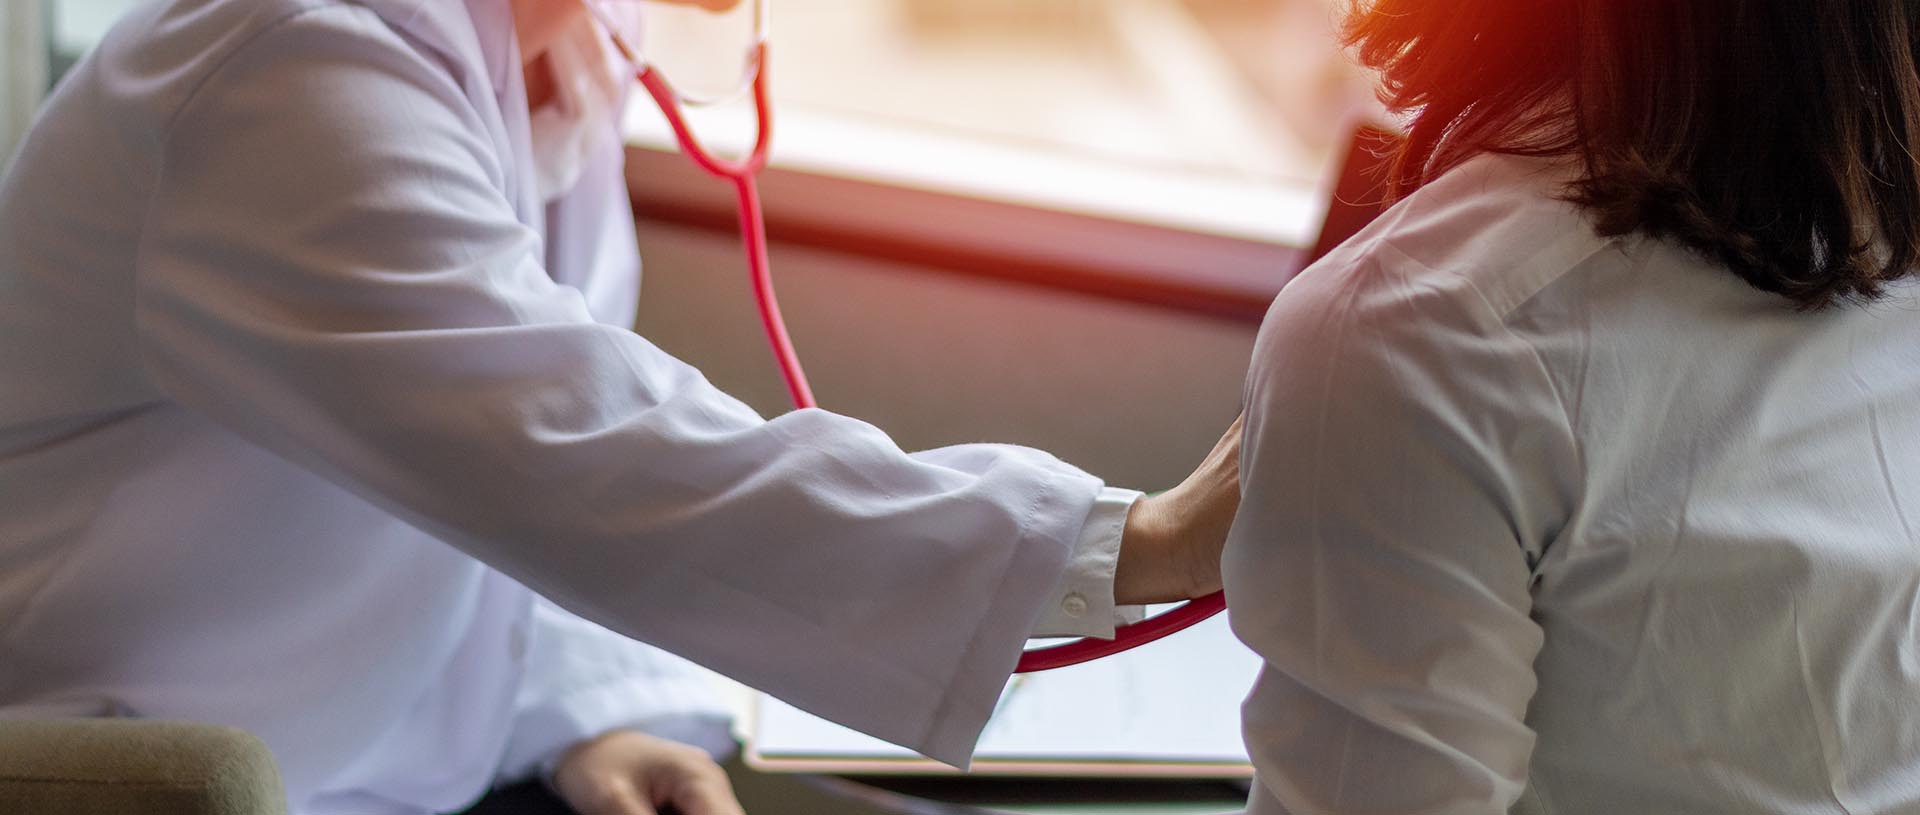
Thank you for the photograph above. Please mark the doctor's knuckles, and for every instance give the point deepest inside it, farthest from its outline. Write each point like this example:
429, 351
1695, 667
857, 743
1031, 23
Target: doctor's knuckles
625, 772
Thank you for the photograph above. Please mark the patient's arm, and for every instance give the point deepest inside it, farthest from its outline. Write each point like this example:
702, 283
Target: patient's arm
1407, 462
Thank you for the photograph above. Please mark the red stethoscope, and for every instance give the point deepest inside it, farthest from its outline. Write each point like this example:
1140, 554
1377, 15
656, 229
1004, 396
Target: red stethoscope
753, 234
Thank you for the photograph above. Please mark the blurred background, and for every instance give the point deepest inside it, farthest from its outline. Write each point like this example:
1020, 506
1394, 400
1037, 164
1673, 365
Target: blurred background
1256, 89
1250, 89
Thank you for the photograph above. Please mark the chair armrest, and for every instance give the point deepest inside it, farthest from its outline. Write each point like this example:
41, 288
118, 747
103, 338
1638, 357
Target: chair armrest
135, 767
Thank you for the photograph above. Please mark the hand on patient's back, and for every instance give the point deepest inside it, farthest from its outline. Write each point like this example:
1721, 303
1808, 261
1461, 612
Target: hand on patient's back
1171, 547
625, 772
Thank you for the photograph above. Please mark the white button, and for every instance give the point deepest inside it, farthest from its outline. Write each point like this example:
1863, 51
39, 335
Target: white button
517, 643
1074, 606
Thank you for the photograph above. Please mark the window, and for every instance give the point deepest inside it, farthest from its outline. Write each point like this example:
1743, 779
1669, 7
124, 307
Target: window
73, 26
1209, 124
1215, 116
23, 70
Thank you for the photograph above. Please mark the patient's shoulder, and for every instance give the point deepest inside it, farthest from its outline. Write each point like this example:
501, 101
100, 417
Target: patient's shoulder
1447, 298
1496, 228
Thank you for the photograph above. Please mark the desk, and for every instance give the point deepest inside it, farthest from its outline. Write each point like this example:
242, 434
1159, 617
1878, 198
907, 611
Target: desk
774, 794
1016, 796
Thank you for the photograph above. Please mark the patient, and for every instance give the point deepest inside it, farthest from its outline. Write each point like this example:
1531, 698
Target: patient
1586, 479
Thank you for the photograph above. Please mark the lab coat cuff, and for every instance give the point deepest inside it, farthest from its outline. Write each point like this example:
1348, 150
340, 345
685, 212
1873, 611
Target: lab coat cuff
1054, 518
542, 735
1082, 602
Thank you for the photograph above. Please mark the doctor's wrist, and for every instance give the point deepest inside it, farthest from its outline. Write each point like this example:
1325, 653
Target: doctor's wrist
1170, 547
1153, 565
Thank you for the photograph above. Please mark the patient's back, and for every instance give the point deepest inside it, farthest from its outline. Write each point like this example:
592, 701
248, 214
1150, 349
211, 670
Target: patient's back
1579, 523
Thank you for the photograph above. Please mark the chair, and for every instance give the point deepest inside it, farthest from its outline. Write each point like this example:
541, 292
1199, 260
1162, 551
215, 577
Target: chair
134, 767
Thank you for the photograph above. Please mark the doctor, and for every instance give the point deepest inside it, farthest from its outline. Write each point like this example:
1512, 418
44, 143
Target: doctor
314, 379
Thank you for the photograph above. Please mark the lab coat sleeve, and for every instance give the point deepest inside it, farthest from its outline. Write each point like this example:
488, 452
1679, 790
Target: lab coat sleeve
332, 271
1405, 462
583, 680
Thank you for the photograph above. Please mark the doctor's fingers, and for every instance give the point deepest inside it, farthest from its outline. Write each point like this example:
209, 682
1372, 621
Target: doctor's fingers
626, 772
622, 801
688, 794
696, 787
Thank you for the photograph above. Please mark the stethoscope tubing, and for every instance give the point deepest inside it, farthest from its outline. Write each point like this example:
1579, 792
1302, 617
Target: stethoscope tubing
753, 222
753, 234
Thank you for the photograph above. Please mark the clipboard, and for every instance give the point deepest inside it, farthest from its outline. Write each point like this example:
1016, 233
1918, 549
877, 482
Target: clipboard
1170, 709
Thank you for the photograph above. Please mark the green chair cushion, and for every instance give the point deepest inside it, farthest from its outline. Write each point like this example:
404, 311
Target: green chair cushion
134, 767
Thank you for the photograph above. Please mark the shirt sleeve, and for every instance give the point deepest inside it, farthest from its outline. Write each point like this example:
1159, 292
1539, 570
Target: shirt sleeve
331, 270
1406, 461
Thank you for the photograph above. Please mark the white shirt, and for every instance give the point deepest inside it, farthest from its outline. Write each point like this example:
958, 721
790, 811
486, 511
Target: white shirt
303, 386
1544, 521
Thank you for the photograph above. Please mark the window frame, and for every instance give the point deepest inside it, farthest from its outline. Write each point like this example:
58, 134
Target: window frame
834, 202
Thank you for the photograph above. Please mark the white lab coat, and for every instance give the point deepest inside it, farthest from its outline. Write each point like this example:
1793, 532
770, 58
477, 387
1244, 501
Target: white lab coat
302, 387
1545, 521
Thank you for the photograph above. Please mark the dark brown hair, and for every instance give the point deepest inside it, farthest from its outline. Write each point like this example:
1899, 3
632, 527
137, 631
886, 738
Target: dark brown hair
1775, 137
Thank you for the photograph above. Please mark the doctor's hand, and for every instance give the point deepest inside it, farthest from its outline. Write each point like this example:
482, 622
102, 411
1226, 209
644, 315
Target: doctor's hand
1172, 543
626, 772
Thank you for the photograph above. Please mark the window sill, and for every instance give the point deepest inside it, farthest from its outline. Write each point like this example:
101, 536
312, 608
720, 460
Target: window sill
1221, 247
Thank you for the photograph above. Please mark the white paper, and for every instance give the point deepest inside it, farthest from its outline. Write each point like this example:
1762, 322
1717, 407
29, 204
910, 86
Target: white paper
1175, 700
